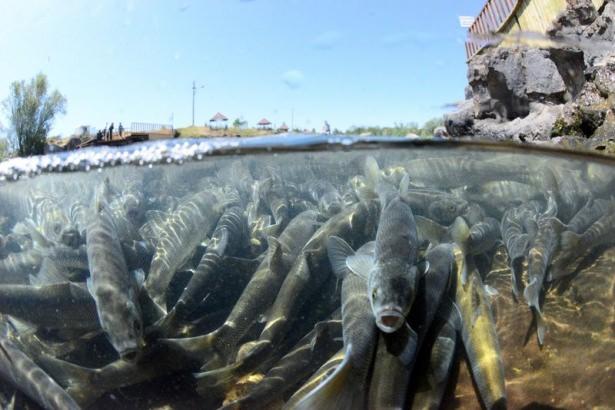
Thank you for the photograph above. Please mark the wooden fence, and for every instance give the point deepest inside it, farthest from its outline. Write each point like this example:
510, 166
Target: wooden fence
490, 19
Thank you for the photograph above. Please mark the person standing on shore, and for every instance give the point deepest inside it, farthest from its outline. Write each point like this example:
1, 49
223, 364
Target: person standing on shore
120, 129
111, 132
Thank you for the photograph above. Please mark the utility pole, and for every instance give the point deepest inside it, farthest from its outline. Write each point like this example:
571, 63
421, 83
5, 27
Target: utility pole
292, 119
194, 88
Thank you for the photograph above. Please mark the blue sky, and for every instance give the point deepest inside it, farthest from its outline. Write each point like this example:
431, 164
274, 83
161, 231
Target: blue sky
349, 62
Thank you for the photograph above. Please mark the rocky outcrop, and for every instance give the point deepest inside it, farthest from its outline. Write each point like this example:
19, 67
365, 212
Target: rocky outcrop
564, 93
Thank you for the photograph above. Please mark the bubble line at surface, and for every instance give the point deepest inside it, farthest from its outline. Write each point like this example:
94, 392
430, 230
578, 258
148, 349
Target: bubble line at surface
178, 151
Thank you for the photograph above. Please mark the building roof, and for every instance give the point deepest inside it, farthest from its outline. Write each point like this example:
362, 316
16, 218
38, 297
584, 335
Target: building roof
218, 117
264, 121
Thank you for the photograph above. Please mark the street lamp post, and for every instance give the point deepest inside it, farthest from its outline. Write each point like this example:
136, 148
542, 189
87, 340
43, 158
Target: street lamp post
194, 88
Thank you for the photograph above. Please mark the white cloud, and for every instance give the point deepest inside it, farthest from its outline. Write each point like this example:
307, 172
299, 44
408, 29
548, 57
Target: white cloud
293, 78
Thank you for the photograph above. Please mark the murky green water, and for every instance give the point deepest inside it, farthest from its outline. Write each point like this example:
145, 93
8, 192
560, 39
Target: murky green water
186, 279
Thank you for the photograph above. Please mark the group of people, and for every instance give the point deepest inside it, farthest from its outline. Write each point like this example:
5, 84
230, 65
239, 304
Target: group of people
106, 134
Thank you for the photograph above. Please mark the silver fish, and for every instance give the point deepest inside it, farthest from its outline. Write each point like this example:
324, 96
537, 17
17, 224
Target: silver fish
110, 283
177, 236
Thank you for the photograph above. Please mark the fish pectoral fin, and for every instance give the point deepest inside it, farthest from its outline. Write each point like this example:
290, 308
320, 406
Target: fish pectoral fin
430, 230
360, 264
491, 291
423, 267
338, 251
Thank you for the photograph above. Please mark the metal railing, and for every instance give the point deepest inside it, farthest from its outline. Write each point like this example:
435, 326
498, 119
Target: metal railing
149, 127
490, 19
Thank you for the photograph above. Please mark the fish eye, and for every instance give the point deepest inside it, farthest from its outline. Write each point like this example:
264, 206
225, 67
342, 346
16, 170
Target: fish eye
374, 293
451, 208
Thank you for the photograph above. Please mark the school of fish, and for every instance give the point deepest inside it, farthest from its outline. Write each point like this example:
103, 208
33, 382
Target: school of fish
297, 284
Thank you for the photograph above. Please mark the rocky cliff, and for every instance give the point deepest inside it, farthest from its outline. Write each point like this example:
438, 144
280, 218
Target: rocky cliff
563, 93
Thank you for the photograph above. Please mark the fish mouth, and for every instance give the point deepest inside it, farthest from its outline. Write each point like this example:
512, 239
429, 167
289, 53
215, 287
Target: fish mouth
130, 355
390, 319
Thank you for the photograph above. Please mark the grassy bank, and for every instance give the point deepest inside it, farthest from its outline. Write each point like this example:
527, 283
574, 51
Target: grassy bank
206, 132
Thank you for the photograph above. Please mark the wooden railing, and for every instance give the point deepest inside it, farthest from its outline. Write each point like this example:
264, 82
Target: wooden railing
490, 19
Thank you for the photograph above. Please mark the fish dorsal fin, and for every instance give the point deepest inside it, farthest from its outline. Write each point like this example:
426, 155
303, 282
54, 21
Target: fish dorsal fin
551, 209
372, 172
404, 185
275, 252
360, 264
338, 251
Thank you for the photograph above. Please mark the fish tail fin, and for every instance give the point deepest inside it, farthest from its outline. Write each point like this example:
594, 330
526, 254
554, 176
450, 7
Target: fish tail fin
336, 392
569, 241
221, 377
77, 380
516, 267
540, 327
338, 250
531, 294
460, 233
198, 348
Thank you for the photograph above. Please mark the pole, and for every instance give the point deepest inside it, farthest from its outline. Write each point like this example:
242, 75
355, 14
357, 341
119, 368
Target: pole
292, 119
193, 95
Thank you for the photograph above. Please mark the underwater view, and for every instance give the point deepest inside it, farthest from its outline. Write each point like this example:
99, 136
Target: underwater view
344, 274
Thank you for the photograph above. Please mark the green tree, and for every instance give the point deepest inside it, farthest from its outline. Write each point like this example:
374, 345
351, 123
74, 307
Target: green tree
239, 123
31, 109
430, 125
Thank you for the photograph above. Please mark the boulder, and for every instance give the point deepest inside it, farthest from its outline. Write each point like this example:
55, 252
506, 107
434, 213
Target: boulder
604, 78
461, 122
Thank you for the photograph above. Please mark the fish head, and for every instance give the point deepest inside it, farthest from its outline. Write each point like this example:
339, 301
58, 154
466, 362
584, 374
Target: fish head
134, 210
330, 204
125, 328
445, 210
71, 236
392, 289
